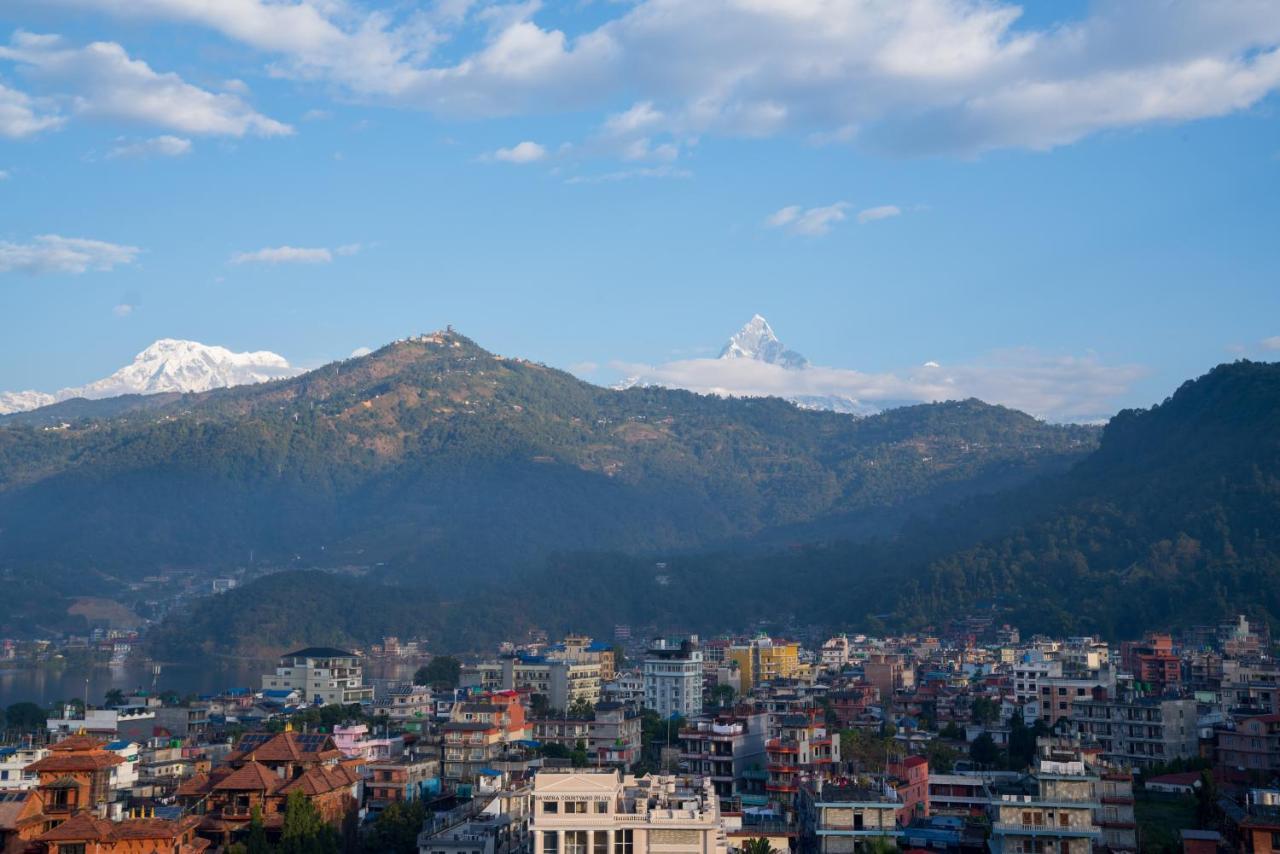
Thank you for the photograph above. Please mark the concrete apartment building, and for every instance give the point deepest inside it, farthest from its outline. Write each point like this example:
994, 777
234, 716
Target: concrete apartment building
479, 731
1058, 818
1115, 815
727, 748
889, 672
561, 680
841, 819
673, 678
804, 750
605, 812
1057, 693
1138, 731
1254, 745
321, 675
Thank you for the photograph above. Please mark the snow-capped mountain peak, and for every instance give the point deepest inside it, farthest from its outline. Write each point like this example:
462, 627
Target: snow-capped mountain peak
168, 365
756, 341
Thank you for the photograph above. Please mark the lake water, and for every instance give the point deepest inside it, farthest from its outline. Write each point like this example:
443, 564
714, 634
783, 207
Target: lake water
45, 685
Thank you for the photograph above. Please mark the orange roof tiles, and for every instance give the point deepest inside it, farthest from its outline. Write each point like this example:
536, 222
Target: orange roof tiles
252, 777
93, 760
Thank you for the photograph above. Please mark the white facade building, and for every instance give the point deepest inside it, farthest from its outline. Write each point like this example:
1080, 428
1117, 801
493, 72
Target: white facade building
673, 679
603, 812
323, 675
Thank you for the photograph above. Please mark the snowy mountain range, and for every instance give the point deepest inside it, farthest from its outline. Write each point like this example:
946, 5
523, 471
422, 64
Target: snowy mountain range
168, 365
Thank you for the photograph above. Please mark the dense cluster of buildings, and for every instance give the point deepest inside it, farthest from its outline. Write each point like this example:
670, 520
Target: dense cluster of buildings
970, 739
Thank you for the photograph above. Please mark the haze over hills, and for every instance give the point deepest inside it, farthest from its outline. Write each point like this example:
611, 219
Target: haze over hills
1164, 525
433, 457
166, 366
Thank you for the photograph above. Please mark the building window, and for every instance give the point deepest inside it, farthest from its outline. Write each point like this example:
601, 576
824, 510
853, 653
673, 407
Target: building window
575, 842
550, 807
602, 806
575, 807
600, 842
622, 842
550, 839
71, 848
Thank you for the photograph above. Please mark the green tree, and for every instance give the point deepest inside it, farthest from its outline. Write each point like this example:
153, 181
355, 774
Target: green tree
442, 672
942, 757
984, 710
25, 716
579, 757
759, 845
255, 840
539, 706
581, 708
113, 698
305, 830
396, 829
722, 695
984, 751
869, 749
952, 732
1206, 800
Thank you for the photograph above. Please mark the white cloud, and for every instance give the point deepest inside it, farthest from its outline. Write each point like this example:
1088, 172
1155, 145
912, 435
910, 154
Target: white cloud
1060, 388
524, 152
810, 222
52, 253
915, 76
360, 351
123, 309
101, 80
1272, 343
284, 255
665, 171
881, 212
19, 116
4, 175
156, 146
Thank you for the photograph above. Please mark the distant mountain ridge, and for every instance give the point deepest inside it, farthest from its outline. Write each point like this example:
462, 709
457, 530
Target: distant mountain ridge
1170, 523
433, 458
168, 365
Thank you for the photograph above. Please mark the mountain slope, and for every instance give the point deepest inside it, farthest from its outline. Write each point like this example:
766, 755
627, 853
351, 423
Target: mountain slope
168, 365
1172, 520
432, 455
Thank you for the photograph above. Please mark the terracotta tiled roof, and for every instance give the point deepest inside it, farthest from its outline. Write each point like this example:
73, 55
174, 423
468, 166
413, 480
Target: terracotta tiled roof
197, 785
78, 742
318, 781
286, 747
86, 826
253, 777
93, 760
78, 827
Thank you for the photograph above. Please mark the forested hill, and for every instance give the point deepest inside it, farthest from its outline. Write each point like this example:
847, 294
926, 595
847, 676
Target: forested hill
433, 458
1174, 520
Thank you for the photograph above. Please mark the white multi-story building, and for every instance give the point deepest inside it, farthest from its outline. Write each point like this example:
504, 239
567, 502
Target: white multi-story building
604, 812
321, 674
13, 767
673, 679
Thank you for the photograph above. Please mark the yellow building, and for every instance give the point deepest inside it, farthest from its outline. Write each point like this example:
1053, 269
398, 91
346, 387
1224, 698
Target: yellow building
764, 659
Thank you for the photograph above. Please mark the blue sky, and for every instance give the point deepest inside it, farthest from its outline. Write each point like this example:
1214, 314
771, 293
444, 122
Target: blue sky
1070, 208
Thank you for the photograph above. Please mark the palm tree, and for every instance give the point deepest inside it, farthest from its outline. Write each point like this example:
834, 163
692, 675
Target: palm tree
759, 845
